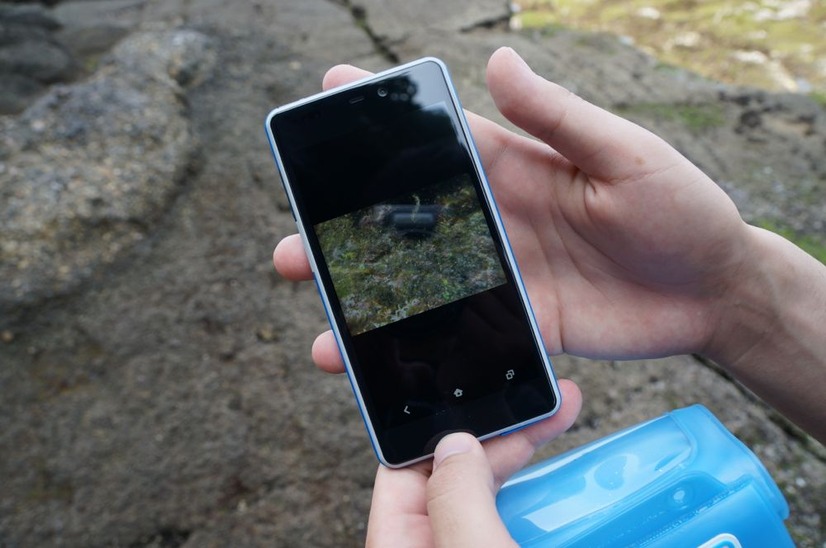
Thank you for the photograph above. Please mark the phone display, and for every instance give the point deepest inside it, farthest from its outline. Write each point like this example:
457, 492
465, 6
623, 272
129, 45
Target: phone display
411, 261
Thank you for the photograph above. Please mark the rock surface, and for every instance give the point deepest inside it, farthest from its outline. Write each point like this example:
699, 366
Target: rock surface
167, 398
90, 167
31, 55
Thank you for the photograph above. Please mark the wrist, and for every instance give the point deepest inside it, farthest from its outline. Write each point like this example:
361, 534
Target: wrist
770, 333
748, 310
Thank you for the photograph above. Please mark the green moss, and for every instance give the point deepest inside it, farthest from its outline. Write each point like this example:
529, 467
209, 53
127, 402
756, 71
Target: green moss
814, 246
819, 97
666, 67
538, 20
697, 118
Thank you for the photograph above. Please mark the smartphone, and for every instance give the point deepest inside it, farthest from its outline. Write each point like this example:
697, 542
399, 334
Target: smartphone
412, 262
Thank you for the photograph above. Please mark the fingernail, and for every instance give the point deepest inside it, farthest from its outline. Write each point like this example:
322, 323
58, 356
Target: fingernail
452, 444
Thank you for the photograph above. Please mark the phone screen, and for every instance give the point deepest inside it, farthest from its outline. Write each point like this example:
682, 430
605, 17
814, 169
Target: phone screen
411, 261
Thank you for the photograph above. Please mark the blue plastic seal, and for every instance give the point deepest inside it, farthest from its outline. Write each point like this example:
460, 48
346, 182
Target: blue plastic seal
679, 480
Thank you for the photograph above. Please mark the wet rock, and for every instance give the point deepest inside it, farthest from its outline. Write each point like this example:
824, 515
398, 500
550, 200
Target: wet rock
17, 91
32, 16
30, 56
87, 170
88, 43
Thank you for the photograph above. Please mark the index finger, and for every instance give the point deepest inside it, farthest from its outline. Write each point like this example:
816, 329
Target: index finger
290, 259
510, 453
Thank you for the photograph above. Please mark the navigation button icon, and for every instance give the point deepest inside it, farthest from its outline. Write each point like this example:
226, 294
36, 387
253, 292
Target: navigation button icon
458, 392
406, 410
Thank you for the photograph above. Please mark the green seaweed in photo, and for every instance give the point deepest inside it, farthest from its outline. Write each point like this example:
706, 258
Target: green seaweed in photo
411, 254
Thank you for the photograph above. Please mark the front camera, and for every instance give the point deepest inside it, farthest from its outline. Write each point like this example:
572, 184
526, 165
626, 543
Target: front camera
382, 92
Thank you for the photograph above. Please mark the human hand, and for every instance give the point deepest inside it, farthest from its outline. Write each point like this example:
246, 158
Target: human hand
625, 247
451, 499
628, 250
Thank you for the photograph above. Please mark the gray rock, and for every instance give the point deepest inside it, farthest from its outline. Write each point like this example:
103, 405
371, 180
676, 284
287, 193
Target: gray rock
173, 403
86, 171
31, 15
87, 43
17, 92
30, 56
34, 54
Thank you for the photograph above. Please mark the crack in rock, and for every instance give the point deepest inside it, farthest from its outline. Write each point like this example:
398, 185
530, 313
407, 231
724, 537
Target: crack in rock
380, 43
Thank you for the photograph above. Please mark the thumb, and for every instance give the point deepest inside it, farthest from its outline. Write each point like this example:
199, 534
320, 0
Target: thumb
596, 141
461, 496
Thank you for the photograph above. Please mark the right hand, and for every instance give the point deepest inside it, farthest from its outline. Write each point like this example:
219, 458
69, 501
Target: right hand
624, 245
628, 250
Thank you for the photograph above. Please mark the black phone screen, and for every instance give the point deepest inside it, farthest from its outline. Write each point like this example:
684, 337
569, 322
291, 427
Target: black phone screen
418, 280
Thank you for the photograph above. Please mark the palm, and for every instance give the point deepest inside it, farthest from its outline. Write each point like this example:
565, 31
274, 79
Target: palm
595, 251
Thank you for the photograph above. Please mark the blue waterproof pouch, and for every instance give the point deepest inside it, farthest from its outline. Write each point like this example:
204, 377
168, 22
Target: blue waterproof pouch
679, 480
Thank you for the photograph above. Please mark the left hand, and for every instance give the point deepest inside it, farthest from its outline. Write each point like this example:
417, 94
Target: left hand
450, 501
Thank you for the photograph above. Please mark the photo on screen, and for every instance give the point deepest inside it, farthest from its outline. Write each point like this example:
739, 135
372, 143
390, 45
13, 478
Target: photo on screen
404, 256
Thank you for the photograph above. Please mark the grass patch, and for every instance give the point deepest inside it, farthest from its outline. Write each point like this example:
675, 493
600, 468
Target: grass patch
819, 97
414, 253
696, 118
814, 246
